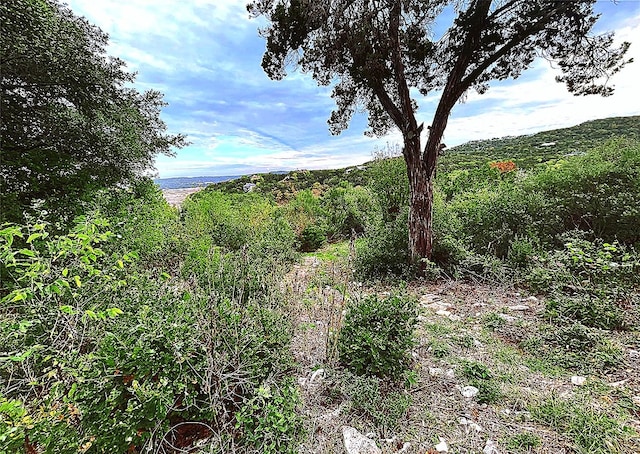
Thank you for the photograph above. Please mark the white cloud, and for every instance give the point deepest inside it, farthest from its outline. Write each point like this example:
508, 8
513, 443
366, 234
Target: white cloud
205, 56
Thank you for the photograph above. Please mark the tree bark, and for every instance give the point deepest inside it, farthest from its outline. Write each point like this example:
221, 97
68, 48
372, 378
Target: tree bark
420, 203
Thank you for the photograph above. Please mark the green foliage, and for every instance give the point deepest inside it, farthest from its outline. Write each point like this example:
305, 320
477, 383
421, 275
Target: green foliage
592, 282
312, 238
377, 336
523, 442
372, 398
108, 354
68, 114
481, 377
592, 430
347, 210
575, 347
384, 250
269, 421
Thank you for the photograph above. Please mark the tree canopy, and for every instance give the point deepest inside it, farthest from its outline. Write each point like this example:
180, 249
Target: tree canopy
71, 122
377, 54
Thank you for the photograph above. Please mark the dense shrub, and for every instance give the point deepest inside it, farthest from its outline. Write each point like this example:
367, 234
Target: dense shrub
312, 238
108, 355
377, 336
346, 210
597, 192
384, 251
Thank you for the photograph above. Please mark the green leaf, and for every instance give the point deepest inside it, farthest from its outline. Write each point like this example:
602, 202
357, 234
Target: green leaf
66, 309
91, 314
113, 312
76, 278
33, 236
27, 252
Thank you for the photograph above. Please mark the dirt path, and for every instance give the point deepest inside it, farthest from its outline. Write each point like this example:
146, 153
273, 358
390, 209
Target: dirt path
467, 335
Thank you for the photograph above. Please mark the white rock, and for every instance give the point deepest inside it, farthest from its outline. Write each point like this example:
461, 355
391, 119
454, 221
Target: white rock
356, 443
491, 447
443, 312
469, 391
450, 373
519, 307
454, 318
533, 299
470, 425
578, 380
436, 371
405, 447
617, 384
636, 400
442, 446
317, 375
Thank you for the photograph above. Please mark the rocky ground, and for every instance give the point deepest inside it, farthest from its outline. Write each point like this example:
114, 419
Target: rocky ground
473, 388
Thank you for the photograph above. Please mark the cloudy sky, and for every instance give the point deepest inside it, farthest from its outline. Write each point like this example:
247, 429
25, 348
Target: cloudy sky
205, 55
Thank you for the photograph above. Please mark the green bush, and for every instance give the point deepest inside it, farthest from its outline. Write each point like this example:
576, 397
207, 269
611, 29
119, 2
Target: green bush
108, 355
377, 336
346, 210
384, 251
269, 422
599, 191
312, 238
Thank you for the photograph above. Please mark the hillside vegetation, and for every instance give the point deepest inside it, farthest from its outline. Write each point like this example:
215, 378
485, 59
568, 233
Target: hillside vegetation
265, 321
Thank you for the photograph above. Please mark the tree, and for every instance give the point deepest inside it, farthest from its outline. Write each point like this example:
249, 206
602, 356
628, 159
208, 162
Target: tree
374, 52
70, 121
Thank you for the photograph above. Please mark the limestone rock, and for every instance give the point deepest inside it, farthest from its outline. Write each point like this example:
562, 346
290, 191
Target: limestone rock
491, 447
442, 446
469, 391
356, 443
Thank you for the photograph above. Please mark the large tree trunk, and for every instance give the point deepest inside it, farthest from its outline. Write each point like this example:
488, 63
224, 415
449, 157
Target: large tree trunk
421, 202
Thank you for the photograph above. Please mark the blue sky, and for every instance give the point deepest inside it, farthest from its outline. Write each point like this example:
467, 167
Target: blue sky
205, 55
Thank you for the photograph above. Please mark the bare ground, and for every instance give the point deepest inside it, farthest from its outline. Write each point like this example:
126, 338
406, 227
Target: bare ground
455, 328
175, 197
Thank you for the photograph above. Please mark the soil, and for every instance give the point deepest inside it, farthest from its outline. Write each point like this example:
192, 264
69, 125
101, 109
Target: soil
453, 314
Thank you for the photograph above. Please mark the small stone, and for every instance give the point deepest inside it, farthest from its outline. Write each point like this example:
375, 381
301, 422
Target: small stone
436, 371
443, 312
533, 299
470, 425
578, 380
356, 443
636, 400
519, 307
491, 447
469, 391
405, 447
450, 373
318, 375
618, 384
442, 446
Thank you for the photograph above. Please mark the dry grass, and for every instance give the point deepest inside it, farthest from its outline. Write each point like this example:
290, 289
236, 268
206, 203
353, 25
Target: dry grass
481, 325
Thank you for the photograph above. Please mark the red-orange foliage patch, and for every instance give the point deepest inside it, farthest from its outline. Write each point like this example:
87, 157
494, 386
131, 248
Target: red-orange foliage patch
503, 166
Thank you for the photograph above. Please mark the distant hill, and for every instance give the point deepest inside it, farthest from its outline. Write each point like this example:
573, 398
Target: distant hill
532, 149
527, 151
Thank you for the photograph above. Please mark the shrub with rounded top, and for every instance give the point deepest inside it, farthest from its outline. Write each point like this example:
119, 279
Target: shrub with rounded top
377, 336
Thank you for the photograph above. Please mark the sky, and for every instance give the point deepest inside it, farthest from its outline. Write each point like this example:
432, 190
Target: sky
205, 56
